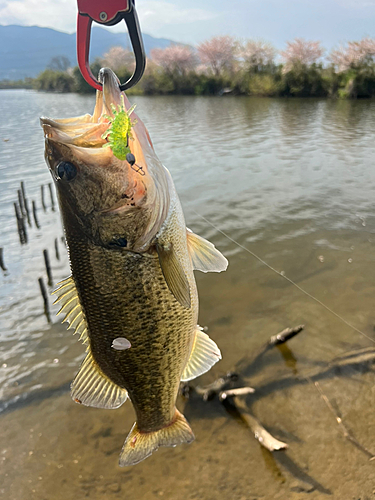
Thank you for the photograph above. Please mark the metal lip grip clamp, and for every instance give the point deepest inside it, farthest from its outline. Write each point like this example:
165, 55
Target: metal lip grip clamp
108, 13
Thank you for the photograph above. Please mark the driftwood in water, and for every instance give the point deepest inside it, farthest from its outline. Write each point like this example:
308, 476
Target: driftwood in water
236, 405
233, 398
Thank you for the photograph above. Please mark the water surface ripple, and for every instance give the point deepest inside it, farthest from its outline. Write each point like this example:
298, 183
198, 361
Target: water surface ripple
291, 179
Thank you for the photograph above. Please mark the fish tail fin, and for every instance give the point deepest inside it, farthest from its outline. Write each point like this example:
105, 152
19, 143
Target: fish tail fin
140, 445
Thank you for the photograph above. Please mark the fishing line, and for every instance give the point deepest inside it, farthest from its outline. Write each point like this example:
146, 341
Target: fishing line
287, 279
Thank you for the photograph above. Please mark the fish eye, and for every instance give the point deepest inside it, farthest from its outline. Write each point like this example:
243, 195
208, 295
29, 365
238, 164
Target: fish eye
66, 171
118, 242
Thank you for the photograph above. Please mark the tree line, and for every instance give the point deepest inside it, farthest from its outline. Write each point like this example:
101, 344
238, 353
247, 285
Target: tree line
225, 65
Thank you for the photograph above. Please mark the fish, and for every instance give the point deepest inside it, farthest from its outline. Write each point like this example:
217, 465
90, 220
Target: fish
131, 295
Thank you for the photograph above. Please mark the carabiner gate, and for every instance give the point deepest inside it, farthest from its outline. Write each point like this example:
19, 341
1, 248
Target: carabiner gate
110, 14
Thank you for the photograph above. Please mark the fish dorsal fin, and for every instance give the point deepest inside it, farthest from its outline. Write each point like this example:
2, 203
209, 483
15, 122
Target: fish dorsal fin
67, 295
204, 354
174, 274
204, 255
91, 387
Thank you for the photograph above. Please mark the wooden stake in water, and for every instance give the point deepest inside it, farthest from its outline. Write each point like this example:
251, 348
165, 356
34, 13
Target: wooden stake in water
21, 203
35, 215
43, 291
42, 196
20, 224
57, 252
51, 195
48, 267
25, 203
2, 265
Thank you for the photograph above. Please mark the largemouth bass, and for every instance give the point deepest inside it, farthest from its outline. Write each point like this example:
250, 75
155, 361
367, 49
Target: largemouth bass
132, 295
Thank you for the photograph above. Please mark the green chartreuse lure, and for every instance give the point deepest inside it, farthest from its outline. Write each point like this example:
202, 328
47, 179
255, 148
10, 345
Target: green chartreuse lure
119, 132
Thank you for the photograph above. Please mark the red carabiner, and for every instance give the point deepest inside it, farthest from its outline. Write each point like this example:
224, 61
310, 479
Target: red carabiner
112, 13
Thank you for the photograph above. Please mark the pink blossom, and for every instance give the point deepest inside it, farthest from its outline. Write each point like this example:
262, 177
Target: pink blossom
174, 58
218, 53
118, 57
353, 54
301, 51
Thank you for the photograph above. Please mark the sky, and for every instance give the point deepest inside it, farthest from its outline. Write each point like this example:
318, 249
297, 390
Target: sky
330, 21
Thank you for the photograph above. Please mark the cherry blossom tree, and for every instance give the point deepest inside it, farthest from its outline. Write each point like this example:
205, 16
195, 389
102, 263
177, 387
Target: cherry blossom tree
118, 57
257, 54
301, 51
218, 53
353, 54
175, 58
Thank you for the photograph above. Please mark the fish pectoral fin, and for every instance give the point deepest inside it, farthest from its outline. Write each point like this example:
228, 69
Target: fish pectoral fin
91, 387
67, 295
140, 445
205, 257
174, 274
204, 354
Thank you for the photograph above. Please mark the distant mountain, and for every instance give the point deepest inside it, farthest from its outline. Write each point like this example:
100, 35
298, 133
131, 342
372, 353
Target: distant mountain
27, 50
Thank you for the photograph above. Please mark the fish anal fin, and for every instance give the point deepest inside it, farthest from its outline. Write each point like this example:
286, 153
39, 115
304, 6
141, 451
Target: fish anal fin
174, 274
205, 257
204, 354
91, 387
140, 445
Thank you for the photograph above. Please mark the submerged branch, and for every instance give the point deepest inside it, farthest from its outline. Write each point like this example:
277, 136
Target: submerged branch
275, 340
231, 397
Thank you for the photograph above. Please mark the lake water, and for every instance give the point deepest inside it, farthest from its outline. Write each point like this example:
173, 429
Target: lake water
292, 181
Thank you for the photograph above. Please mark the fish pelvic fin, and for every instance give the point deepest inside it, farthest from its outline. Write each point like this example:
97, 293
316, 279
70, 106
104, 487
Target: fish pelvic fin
140, 445
204, 354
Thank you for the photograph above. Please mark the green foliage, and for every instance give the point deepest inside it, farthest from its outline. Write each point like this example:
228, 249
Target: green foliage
156, 82
304, 81
358, 83
209, 85
264, 85
54, 81
27, 83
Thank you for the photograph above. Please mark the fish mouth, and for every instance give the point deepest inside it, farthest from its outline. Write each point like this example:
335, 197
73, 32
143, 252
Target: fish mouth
87, 131
80, 140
